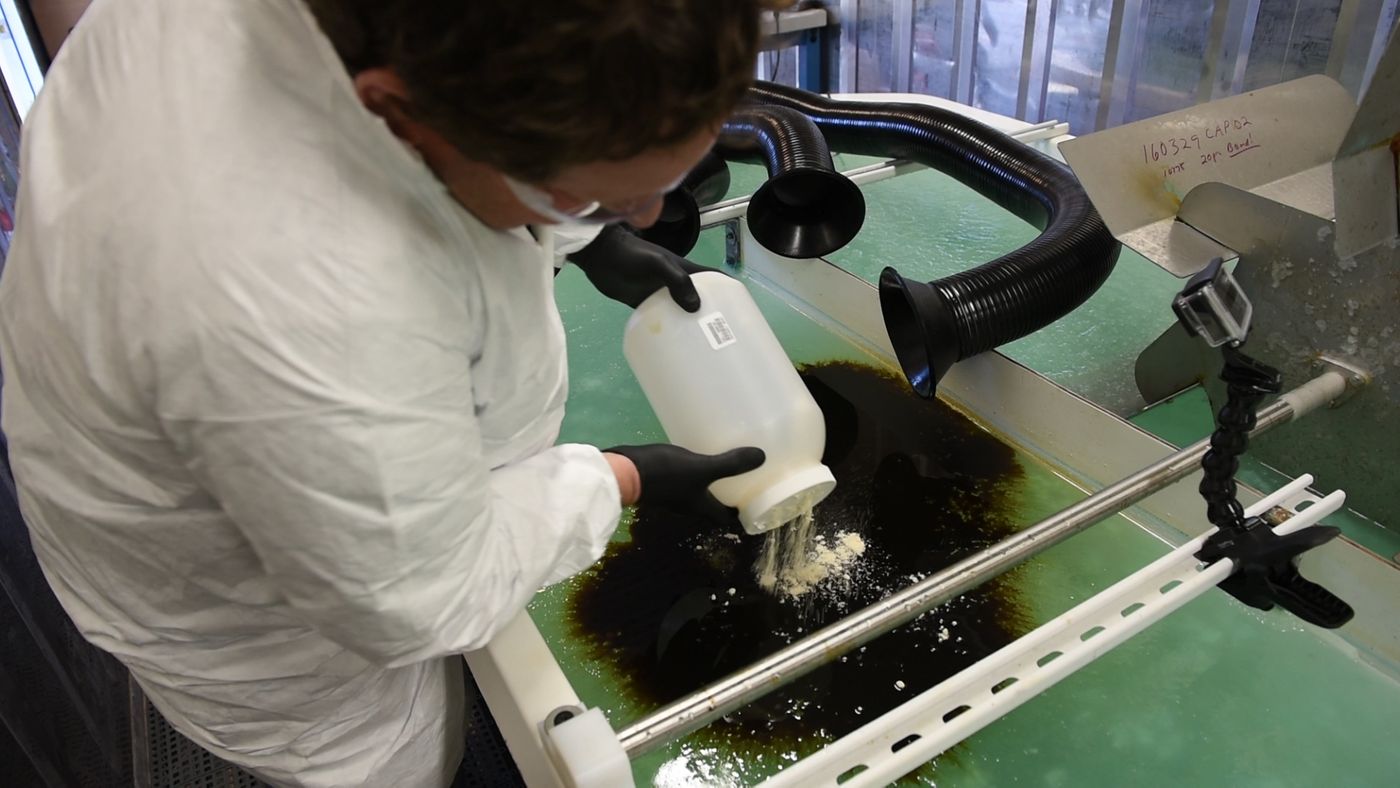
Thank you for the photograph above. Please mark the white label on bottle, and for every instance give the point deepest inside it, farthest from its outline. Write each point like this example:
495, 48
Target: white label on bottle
717, 330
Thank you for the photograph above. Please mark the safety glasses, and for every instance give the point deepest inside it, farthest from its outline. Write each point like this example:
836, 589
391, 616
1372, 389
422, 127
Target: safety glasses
542, 202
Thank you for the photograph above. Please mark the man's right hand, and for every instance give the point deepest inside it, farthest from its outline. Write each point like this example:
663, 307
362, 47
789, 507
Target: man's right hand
679, 478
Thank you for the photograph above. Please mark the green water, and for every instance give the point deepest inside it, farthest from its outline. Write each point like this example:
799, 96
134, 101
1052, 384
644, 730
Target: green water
744, 179
1218, 694
927, 225
1187, 418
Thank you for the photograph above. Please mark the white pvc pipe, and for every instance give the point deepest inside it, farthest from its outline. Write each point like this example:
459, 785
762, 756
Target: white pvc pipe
1000, 704
1315, 393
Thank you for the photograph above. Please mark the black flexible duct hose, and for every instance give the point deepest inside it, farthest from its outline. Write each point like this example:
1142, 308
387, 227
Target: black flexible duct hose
708, 181
934, 325
805, 208
678, 227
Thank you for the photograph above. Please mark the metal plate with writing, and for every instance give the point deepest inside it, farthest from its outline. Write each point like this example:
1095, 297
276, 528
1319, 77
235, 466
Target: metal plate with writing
1138, 174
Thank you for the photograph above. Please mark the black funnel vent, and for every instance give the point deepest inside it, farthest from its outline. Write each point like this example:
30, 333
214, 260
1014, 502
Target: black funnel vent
933, 325
678, 227
806, 208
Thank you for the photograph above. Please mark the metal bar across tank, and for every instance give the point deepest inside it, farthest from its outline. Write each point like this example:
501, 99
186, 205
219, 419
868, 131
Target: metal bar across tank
797, 659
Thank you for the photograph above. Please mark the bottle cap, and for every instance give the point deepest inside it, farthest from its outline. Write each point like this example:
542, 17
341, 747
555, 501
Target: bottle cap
783, 501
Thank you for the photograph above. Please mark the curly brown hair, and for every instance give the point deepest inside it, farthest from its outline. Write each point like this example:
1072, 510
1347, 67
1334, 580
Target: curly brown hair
532, 87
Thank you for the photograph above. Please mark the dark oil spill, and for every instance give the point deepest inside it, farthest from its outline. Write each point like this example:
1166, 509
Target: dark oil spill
921, 484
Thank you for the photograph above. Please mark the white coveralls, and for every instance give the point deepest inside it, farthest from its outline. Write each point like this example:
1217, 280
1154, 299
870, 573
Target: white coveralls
280, 411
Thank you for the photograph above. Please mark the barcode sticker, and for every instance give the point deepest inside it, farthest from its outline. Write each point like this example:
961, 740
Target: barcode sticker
717, 330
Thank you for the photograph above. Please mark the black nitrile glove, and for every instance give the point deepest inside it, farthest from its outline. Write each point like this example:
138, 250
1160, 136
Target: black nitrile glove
628, 269
679, 478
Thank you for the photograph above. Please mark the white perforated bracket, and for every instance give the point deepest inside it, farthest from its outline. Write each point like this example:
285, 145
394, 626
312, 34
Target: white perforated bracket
910, 735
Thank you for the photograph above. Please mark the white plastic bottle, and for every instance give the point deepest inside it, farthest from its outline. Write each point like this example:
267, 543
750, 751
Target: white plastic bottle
718, 380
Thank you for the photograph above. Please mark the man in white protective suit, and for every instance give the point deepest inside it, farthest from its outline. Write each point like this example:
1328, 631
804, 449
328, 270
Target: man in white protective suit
283, 370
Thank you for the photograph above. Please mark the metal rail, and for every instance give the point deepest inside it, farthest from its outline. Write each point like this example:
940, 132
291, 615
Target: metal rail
797, 659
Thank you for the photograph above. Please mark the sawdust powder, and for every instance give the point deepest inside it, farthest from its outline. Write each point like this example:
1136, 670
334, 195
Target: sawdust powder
797, 560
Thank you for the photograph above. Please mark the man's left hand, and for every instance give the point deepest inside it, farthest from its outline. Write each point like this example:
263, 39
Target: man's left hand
628, 269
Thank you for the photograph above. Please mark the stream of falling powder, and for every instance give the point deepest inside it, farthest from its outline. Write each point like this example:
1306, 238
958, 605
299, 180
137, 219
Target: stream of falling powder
796, 559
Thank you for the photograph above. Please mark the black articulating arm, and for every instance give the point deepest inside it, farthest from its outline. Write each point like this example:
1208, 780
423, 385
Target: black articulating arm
1266, 565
